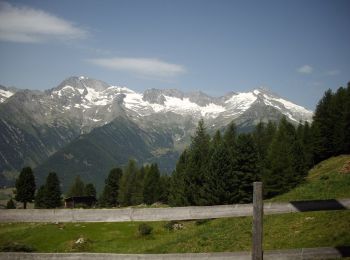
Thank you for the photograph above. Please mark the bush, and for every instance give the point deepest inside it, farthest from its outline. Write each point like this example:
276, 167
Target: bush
15, 247
202, 221
10, 204
144, 229
173, 225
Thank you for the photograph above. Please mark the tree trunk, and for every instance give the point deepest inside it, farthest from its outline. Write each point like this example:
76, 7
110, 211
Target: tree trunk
25, 205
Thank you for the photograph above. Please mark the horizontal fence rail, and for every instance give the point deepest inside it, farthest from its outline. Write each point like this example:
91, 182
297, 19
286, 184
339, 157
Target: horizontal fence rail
301, 253
165, 214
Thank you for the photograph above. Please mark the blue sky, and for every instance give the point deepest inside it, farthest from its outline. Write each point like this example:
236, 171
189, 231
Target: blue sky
297, 49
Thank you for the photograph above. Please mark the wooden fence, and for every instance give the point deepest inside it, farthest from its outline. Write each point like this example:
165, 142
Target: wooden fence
257, 209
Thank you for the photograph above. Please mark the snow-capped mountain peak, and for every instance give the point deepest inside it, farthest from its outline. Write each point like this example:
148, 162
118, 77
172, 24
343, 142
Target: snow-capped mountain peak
92, 103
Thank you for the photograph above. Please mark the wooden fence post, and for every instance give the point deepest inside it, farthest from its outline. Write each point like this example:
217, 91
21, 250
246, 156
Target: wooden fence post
258, 211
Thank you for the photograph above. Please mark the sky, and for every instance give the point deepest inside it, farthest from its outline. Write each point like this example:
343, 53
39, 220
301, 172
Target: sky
297, 49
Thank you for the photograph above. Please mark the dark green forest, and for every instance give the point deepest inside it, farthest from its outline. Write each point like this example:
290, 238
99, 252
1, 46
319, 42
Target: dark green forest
221, 169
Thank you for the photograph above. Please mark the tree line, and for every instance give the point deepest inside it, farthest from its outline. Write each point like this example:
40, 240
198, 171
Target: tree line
133, 186
221, 169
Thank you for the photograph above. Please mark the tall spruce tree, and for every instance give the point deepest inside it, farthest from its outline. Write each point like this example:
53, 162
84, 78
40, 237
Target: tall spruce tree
346, 120
110, 192
323, 128
221, 184
52, 191
177, 190
164, 188
25, 186
246, 166
197, 166
230, 136
152, 185
90, 190
284, 159
39, 202
130, 191
77, 188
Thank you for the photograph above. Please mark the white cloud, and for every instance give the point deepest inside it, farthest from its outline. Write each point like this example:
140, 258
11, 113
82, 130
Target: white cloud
333, 72
305, 69
142, 66
25, 24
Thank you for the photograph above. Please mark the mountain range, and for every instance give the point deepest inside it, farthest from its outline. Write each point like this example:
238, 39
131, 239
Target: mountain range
86, 126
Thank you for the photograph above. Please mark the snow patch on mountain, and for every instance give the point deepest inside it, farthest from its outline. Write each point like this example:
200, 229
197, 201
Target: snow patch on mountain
5, 94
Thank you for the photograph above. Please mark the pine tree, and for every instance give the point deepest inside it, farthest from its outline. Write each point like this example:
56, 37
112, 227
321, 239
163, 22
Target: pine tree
52, 191
77, 188
137, 188
221, 184
323, 128
197, 166
307, 145
338, 107
151, 191
346, 120
10, 204
25, 186
246, 166
90, 190
110, 192
285, 161
230, 136
164, 188
129, 191
177, 190
39, 202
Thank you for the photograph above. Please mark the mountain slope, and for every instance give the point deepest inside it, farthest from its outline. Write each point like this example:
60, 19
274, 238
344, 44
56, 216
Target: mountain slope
329, 179
92, 155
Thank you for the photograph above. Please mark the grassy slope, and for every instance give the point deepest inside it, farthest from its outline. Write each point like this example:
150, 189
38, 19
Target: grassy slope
313, 229
294, 230
327, 180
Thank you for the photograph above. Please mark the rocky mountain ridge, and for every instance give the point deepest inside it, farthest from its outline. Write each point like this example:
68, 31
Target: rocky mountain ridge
35, 125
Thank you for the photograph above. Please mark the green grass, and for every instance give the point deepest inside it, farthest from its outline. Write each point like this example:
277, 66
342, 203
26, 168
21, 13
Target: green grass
327, 180
294, 230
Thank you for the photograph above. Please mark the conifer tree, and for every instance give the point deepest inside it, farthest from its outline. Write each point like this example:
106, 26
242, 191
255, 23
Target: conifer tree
151, 191
177, 190
230, 135
246, 166
90, 190
164, 188
77, 188
346, 120
323, 128
130, 191
10, 204
39, 202
283, 161
110, 192
25, 186
197, 166
221, 184
52, 191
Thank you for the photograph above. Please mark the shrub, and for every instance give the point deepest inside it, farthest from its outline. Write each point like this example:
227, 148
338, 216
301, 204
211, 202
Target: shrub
10, 204
16, 247
144, 229
202, 221
173, 225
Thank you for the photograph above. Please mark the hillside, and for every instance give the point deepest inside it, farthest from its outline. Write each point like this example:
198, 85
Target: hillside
327, 180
